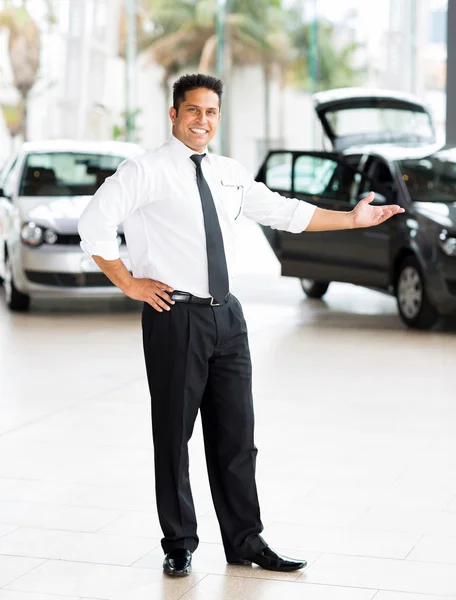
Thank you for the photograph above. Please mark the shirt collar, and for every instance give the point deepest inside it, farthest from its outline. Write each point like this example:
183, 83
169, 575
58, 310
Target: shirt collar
183, 152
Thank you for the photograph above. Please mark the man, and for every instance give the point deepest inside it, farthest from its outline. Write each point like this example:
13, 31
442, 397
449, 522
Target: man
179, 207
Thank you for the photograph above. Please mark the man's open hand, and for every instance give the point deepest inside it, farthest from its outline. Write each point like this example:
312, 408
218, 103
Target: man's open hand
365, 215
151, 291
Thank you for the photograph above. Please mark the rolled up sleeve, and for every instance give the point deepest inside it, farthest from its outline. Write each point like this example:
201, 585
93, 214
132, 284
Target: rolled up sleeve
272, 209
119, 196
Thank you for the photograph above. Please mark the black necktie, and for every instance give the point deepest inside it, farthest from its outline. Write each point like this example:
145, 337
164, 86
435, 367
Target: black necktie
216, 260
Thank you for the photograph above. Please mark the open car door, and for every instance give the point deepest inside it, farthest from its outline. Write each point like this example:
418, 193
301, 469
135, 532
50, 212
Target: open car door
327, 180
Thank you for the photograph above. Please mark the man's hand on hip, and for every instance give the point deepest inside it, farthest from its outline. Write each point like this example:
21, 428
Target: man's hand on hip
151, 291
148, 290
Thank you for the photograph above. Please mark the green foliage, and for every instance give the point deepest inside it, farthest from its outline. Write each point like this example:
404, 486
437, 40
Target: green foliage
119, 132
183, 31
260, 31
334, 66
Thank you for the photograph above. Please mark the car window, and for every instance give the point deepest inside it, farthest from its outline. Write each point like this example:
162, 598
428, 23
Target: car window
378, 179
432, 178
66, 173
278, 171
320, 176
381, 123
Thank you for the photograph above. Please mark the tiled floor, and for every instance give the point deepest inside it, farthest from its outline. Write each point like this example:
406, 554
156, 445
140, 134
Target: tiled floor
355, 422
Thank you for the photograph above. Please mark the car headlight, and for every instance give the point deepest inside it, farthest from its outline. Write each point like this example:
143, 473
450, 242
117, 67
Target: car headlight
447, 243
50, 237
32, 235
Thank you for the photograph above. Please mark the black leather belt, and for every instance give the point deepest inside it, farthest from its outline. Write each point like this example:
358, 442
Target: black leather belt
191, 299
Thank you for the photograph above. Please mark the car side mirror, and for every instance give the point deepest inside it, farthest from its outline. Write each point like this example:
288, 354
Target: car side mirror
378, 198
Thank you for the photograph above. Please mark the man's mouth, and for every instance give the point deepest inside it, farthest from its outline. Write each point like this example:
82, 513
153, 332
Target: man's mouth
198, 130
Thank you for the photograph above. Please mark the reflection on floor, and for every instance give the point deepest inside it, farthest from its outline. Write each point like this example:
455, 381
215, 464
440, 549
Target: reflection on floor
355, 422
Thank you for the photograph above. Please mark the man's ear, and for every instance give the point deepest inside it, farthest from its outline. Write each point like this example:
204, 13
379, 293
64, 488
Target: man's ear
172, 114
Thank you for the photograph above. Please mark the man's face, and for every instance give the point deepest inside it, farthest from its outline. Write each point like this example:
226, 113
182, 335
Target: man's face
197, 119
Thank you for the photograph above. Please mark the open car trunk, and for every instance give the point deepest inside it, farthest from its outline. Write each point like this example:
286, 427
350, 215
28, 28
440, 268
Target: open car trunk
354, 116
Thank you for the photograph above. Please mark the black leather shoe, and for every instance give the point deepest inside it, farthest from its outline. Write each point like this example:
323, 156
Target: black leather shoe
268, 559
178, 563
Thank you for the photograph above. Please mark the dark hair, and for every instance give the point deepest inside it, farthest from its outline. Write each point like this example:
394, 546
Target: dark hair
186, 83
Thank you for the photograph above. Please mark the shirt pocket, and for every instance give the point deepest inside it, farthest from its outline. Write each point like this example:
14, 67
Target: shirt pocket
232, 196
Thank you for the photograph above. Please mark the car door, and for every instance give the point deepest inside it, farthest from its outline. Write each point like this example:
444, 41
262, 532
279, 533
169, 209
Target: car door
326, 180
371, 249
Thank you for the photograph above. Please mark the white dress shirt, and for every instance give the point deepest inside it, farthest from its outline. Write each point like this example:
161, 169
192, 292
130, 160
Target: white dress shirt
156, 198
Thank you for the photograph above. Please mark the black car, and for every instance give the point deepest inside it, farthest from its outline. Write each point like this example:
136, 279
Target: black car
383, 143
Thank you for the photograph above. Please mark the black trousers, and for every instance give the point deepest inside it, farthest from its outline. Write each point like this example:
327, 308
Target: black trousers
198, 358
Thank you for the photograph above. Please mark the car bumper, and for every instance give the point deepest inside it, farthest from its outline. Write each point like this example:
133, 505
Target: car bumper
63, 271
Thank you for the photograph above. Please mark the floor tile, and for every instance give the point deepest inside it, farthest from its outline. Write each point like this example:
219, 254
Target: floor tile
435, 548
30, 514
8, 595
237, 588
382, 574
341, 540
12, 567
405, 596
120, 497
75, 546
5, 529
137, 524
397, 496
103, 582
409, 520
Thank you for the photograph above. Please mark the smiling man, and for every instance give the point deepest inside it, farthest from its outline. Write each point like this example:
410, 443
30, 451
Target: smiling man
179, 207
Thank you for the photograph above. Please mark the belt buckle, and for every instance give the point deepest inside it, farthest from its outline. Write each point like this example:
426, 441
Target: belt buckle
212, 303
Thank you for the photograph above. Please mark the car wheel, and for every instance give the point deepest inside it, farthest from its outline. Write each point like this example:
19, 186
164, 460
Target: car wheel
314, 289
414, 307
15, 299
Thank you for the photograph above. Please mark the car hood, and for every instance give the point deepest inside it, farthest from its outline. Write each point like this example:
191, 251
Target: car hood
60, 214
442, 213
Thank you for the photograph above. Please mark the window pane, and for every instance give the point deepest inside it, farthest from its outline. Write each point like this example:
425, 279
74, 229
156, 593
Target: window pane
66, 174
313, 174
278, 171
431, 179
356, 121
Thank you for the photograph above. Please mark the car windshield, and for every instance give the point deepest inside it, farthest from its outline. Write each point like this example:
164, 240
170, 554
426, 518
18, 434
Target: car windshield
430, 179
66, 173
379, 124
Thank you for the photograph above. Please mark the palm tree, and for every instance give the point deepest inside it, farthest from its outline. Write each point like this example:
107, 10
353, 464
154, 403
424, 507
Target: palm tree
24, 53
184, 35
335, 63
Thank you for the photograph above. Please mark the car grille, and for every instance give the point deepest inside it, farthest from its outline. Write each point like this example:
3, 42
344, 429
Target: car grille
69, 279
73, 239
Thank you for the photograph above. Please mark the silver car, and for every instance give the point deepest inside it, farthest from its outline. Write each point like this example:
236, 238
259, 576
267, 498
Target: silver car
43, 190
